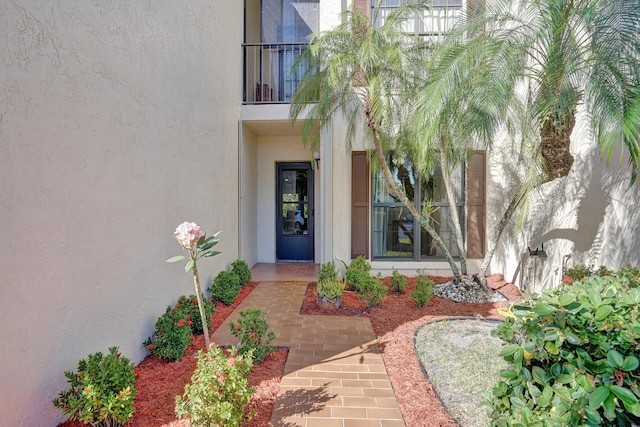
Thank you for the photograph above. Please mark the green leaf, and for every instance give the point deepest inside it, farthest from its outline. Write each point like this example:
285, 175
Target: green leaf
615, 359
609, 406
598, 397
625, 395
602, 312
551, 347
516, 401
631, 363
564, 379
540, 375
567, 299
543, 309
584, 382
212, 253
571, 338
176, 258
509, 350
593, 416
189, 265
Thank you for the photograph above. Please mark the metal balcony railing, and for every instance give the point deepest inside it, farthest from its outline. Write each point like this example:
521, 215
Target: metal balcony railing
268, 74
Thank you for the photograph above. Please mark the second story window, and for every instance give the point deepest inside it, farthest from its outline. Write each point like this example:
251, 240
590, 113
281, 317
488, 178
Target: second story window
276, 33
435, 21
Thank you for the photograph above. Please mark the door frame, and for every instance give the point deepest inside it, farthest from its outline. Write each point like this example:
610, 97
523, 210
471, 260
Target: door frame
309, 238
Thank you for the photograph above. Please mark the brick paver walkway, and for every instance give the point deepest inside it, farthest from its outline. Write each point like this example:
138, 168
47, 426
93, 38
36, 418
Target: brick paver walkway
334, 376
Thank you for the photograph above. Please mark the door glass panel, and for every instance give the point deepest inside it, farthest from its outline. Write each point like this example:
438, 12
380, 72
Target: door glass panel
295, 202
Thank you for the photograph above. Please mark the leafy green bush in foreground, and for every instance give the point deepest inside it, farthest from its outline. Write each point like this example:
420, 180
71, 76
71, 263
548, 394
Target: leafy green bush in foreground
573, 351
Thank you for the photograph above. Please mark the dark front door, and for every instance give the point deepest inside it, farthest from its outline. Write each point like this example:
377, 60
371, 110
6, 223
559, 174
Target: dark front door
294, 212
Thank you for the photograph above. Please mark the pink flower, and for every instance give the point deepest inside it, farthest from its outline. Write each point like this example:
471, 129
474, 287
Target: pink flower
181, 322
188, 234
567, 279
231, 362
150, 346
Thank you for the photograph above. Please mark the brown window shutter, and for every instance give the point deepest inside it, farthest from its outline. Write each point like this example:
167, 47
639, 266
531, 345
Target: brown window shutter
364, 5
359, 204
476, 177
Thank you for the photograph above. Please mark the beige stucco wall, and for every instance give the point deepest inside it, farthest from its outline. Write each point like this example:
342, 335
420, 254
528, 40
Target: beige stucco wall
118, 121
588, 217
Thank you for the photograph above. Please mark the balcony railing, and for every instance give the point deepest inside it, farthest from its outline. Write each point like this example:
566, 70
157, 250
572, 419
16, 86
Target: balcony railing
268, 74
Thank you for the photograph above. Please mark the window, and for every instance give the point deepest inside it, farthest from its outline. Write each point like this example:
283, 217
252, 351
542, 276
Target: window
394, 231
435, 21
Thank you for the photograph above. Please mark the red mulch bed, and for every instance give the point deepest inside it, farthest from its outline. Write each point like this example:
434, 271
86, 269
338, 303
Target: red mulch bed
394, 322
159, 381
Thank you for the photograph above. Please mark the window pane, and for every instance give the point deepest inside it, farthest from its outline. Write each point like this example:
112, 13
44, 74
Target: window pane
444, 227
404, 177
289, 20
392, 232
433, 189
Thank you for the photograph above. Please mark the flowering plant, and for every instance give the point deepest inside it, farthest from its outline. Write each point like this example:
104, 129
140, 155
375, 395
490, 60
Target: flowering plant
253, 331
219, 389
195, 241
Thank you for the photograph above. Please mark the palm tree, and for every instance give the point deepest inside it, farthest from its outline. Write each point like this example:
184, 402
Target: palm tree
369, 74
568, 54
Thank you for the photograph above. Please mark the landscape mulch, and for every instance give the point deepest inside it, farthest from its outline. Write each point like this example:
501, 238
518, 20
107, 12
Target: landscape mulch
394, 322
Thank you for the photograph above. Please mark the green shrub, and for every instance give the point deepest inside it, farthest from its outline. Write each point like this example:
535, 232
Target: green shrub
171, 337
241, 268
357, 266
330, 289
368, 288
423, 291
187, 308
573, 351
253, 331
218, 391
101, 392
225, 287
328, 272
398, 282
629, 275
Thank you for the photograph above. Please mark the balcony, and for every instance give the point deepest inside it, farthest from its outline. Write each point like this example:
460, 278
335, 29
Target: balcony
268, 74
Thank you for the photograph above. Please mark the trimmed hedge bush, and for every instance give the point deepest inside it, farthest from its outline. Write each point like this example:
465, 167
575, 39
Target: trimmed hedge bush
241, 268
574, 354
225, 287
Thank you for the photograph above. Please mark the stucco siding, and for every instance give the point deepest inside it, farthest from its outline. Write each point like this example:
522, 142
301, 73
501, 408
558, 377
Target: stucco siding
118, 121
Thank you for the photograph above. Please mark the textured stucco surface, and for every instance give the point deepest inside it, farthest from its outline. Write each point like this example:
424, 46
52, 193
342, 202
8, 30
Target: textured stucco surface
118, 121
589, 217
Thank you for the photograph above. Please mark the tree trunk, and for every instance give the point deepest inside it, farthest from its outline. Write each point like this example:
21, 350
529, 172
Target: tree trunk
502, 225
455, 218
203, 318
555, 140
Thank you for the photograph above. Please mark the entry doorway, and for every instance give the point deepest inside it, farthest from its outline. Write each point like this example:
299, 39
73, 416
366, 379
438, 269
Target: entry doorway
294, 212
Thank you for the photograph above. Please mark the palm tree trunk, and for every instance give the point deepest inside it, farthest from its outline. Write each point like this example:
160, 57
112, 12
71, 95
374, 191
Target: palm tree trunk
455, 218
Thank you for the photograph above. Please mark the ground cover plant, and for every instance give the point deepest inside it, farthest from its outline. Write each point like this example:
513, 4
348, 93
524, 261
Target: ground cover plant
460, 357
574, 354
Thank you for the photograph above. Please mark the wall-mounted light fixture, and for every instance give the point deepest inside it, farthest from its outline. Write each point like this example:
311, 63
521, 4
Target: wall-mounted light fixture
316, 157
540, 253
